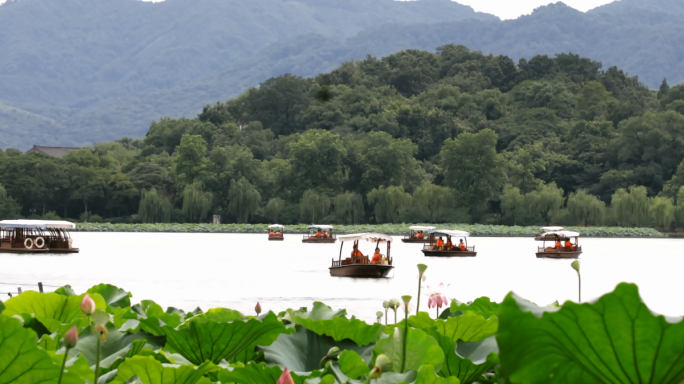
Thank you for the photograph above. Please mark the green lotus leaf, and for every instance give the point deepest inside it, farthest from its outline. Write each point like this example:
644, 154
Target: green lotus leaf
386, 378
78, 366
65, 291
117, 345
114, 296
341, 328
220, 315
614, 340
252, 373
482, 306
426, 375
2, 307
467, 327
22, 362
463, 367
303, 350
319, 311
48, 342
51, 309
149, 309
150, 371
421, 349
199, 341
353, 365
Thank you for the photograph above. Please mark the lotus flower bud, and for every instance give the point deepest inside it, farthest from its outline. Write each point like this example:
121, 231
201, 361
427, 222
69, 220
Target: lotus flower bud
382, 364
333, 352
71, 338
385, 304
258, 308
422, 268
575, 265
285, 378
100, 317
87, 305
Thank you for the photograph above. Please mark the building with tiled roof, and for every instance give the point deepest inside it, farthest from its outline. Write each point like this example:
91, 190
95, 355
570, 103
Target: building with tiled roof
52, 151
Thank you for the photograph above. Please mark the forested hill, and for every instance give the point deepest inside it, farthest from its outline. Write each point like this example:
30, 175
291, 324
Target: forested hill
452, 136
94, 71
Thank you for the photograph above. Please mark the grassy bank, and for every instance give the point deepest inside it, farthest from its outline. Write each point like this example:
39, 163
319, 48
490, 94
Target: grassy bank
393, 229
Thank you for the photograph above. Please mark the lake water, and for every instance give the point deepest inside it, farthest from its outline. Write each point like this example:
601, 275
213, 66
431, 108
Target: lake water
237, 270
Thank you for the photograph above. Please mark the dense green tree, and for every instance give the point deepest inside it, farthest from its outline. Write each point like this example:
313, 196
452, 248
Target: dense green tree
120, 191
9, 209
513, 204
585, 209
349, 207
87, 184
317, 161
244, 200
385, 161
196, 202
432, 203
154, 208
314, 206
631, 208
546, 201
190, 162
389, 204
274, 208
472, 168
663, 211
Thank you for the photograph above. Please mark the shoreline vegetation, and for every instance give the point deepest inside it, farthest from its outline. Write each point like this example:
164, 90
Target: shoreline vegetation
476, 230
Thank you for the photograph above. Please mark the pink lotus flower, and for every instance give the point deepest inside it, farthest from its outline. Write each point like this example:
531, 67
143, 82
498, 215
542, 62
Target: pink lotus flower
258, 308
88, 305
437, 298
285, 378
71, 338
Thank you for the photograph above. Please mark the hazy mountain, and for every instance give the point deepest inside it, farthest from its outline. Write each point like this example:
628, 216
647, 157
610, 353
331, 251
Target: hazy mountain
98, 70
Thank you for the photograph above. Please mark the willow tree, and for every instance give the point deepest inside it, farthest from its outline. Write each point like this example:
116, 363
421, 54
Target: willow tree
349, 207
243, 200
389, 204
432, 202
546, 201
631, 208
274, 208
154, 208
663, 211
585, 208
513, 203
314, 206
196, 202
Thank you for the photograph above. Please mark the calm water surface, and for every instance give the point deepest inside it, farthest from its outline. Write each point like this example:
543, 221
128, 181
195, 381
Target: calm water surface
236, 270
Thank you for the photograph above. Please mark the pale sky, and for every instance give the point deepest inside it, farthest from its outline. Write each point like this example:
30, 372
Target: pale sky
512, 9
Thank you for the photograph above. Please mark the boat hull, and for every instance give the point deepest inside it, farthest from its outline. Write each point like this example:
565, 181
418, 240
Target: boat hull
276, 239
323, 241
421, 241
361, 270
449, 253
36, 250
559, 255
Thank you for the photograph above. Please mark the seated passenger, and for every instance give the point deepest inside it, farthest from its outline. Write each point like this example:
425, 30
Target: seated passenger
325, 234
558, 244
440, 243
377, 256
271, 234
449, 245
318, 234
462, 245
568, 245
356, 252
420, 235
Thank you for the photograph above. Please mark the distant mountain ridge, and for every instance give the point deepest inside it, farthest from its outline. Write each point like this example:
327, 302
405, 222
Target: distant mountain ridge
119, 64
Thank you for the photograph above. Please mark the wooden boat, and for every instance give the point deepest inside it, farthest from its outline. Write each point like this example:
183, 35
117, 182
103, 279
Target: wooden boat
275, 232
561, 252
36, 236
415, 234
362, 266
432, 249
319, 234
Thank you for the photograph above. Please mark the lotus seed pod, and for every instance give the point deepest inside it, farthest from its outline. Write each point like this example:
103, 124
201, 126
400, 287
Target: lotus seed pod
394, 303
71, 338
385, 304
378, 314
422, 268
258, 308
87, 305
406, 299
576, 265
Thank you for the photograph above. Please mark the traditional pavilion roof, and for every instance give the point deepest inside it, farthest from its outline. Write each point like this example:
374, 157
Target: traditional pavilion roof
53, 151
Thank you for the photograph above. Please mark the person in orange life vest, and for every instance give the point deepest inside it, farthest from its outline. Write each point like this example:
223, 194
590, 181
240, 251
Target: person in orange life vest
420, 235
356, 252
568, 245
440, 243
271, 234
558, 244
325, 234
449, 245
462, 246
318, 234
377, 256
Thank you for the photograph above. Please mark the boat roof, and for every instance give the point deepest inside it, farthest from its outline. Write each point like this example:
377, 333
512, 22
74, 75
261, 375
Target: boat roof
450, 232
276, 226
550, 229
561, 234
37, 224
372, 237
320, 227
421, 228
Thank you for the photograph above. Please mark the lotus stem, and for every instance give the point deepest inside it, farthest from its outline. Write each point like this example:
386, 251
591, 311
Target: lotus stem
386, 315
97, 364
403, 354
61, 372
437, 308
579, 292
420, 278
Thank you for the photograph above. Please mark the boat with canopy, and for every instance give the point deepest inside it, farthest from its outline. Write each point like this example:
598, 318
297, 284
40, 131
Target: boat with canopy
275, 232
36, 236
446, 247
547, 229
319, 234
418, 234
359, 265
559, 252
